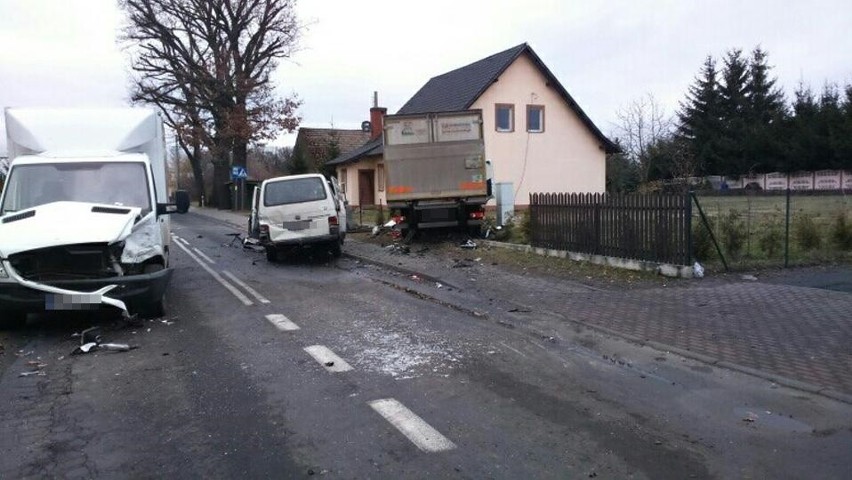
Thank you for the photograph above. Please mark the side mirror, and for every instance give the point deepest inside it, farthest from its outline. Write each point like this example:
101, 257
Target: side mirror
181, 204
182, 201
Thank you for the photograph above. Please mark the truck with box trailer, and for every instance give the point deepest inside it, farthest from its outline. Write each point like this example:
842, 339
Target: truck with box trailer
84, 212
436, 171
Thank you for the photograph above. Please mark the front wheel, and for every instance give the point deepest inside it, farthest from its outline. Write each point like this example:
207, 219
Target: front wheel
155, 309
271, 254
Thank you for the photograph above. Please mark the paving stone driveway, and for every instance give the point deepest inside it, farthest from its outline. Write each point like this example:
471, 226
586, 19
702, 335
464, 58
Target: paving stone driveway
800, 333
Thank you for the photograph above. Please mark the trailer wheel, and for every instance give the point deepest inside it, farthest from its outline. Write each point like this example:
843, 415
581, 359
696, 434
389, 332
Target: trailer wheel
408, 235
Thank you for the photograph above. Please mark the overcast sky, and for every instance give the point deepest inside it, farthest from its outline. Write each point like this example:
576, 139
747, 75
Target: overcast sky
605, 53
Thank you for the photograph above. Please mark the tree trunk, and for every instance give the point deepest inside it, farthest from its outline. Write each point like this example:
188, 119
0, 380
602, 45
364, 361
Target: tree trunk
198, 174
221, 194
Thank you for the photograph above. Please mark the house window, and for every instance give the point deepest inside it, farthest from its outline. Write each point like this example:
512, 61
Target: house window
535, 118
380, 174
504, 117
342, 180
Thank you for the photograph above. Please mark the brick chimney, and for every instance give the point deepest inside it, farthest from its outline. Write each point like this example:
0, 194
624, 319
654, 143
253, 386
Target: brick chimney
377, 114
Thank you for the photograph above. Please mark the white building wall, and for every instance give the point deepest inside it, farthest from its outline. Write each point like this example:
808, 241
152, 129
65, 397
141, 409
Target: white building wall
566, 157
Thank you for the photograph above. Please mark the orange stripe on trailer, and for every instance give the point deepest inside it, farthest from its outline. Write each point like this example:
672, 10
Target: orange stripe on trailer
472, 185
400, 189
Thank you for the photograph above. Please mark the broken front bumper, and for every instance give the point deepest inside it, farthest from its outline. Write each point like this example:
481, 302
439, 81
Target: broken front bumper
134, 290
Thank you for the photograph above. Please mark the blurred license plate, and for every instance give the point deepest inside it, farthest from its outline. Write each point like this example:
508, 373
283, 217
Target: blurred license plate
297, 225
78, 301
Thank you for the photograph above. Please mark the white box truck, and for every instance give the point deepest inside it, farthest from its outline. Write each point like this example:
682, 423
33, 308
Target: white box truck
437, 174
84, 212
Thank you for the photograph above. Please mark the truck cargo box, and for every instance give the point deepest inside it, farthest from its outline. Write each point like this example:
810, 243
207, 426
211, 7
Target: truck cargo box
436, 156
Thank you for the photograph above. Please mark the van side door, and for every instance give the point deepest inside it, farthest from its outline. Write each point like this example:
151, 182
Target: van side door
254, 220
340, 201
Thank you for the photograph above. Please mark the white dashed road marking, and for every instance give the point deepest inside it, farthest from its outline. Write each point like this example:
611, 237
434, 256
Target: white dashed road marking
217, 277
281, 322
260, 298
413, 427
205, 257
328, 359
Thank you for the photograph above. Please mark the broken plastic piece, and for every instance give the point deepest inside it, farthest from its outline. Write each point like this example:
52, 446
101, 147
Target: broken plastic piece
469, 244
91, 334
85, 348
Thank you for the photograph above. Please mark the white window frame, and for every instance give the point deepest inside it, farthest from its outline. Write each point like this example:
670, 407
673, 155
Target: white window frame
511, 108
540, 110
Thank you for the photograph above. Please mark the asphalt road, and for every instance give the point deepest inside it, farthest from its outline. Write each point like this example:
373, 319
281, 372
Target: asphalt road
380, 381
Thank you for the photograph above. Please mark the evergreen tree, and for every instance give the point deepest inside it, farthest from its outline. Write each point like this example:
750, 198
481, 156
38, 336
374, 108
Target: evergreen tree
802, 139
844, 143
622, 175
734, 106
700, 119
298, 163
829, 129
765, 115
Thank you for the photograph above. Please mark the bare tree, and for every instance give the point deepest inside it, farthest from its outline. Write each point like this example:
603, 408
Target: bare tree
207, 64
642, 123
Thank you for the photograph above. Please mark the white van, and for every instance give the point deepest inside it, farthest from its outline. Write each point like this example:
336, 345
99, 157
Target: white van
296, 211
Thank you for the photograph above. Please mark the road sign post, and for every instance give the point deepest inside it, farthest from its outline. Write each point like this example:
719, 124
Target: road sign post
239, 174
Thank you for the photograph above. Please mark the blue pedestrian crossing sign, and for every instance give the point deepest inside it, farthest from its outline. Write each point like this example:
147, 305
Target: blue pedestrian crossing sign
239, 173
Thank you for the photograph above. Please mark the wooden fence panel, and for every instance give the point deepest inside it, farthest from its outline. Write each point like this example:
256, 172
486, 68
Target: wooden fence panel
650, 227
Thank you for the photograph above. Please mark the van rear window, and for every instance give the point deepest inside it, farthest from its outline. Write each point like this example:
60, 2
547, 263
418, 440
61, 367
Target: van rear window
298, 190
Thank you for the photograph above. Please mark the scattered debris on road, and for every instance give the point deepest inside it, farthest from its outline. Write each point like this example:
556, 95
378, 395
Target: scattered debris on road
110, 347
469, 244
463, 263
38, 369
751, 417
90, 341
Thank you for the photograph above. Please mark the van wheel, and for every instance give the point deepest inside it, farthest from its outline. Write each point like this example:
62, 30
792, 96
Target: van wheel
337, 248
271, 254
12, 320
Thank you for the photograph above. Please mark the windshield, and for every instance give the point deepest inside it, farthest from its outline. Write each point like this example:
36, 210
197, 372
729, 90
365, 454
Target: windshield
113, 183
293, 191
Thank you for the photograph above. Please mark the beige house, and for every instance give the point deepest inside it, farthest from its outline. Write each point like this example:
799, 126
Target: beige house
536, 136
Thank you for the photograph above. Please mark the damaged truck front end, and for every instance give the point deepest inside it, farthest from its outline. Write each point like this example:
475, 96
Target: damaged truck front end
113, 257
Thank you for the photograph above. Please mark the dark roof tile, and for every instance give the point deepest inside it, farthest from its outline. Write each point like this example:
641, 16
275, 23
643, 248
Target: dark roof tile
373, 147
459, 89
